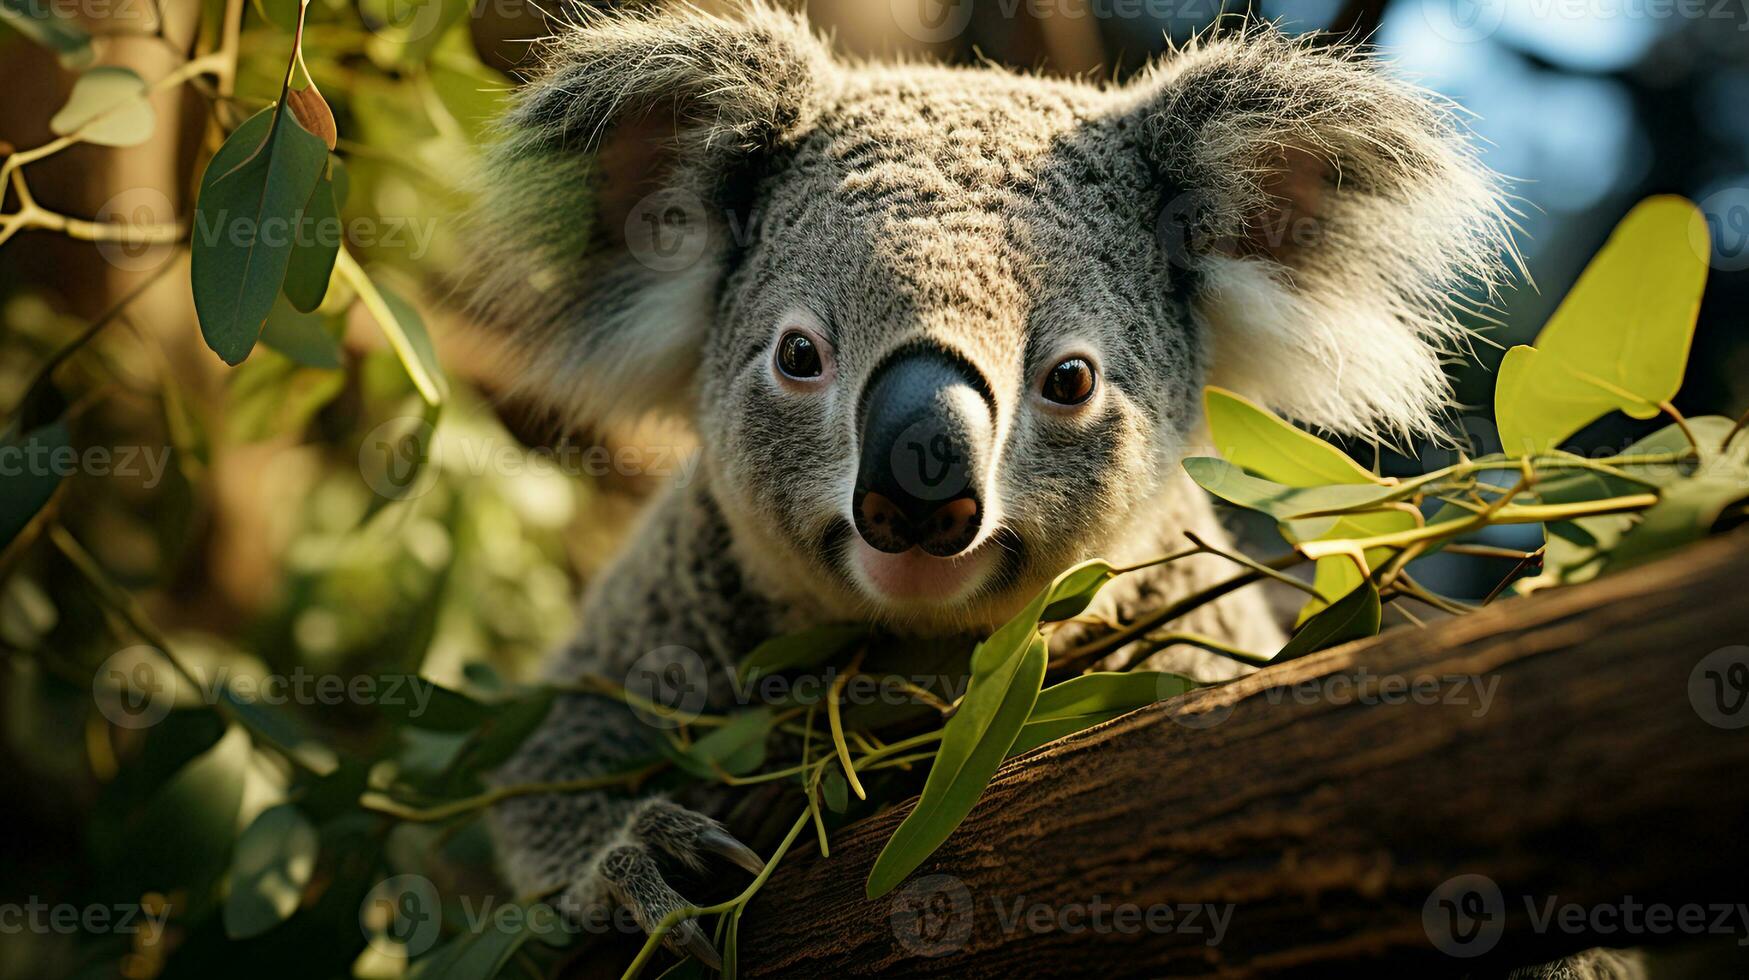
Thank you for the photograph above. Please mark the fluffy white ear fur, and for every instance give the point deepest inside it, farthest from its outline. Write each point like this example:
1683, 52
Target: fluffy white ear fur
635, 116
1341, 218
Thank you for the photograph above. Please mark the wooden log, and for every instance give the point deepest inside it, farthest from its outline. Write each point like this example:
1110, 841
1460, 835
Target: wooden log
1416, 804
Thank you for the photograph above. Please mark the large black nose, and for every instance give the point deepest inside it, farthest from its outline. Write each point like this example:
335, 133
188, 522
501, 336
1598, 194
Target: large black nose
925, 436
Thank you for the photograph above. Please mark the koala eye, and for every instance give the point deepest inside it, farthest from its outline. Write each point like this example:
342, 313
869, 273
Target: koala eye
1069, 383
798, 356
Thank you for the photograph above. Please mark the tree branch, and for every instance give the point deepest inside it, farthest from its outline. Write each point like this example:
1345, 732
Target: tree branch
1549, 744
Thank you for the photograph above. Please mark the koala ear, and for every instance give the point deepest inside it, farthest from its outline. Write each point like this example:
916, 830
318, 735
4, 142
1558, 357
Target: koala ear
1329, 214
610, 202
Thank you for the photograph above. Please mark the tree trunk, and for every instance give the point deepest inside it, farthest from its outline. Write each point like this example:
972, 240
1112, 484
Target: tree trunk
1574, 748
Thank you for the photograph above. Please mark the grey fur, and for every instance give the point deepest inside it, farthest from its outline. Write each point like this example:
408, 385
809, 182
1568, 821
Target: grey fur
1007, 218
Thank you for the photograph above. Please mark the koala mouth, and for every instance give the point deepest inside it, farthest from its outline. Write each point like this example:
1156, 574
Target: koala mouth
916, 576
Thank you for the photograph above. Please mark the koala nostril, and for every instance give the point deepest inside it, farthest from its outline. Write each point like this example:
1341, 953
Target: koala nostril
880, 523
951, 528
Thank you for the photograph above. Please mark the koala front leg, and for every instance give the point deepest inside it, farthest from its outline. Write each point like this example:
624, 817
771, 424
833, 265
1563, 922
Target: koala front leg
600, 847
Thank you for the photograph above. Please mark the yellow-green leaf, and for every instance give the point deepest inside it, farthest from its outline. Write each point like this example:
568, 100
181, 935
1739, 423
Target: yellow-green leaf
1081, 702
1620, 338
1253, 437
108, 106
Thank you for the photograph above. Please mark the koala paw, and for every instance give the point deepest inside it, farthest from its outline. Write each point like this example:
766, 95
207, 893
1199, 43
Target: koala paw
629, 874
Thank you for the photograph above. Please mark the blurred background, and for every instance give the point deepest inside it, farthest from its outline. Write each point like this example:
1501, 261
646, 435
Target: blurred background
255, 515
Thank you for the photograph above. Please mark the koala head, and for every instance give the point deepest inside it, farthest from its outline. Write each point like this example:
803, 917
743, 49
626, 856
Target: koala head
943, 331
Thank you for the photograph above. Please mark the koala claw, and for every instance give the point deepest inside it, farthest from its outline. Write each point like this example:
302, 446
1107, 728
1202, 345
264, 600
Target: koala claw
634, 880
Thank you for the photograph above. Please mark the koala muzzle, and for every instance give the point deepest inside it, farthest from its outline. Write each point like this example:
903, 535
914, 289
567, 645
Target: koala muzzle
926, 432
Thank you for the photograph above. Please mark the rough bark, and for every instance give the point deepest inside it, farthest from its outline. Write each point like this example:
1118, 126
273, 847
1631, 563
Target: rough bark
1325, 807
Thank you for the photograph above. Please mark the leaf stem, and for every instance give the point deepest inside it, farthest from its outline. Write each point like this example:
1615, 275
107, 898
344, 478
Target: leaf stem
834, 717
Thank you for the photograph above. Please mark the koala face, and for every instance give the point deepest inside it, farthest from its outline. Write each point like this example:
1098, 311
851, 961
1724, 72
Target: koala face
950, 359
942, 331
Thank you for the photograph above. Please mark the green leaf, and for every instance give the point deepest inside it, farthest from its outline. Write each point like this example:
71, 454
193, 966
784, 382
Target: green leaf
317, 246
479, 955
1007, 672
1232, 484
510, 725
43, 23
250, 197
1354, 616
836, 791
40, 453
1076, 590
1253, 437
808, 648
417, 702
1081, 702
108, 107
1620, 338
736, 748
403, 327
305, 338
273, 862
183, 837
1688, 508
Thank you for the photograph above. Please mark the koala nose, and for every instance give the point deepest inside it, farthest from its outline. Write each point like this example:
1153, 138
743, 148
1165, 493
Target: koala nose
925, 434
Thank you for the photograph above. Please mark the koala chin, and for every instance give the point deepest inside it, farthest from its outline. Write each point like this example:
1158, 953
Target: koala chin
940, 332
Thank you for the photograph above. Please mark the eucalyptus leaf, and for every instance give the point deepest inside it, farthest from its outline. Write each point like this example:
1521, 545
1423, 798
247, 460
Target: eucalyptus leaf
808, 648
45, 24
251, 196
183, 838
270, 868
317, 245
304, 338
1077, 589
1620, 338
418, 702
1355, 616
1256, 439
736, 748
1007, 672
836, 791
1081, 702
1232, 484
108, 107
41, 452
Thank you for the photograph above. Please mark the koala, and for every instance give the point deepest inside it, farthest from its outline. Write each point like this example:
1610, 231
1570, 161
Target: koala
940, 332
